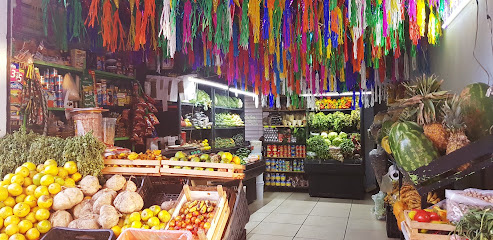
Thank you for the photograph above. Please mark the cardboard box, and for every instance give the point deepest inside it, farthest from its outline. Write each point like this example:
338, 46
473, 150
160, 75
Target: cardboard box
78, 58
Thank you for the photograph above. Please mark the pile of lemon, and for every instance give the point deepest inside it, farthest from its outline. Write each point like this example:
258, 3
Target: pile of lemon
150, 218
26, 197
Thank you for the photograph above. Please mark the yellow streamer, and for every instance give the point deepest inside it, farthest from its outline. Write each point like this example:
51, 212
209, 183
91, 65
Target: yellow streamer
421, 17
254, 14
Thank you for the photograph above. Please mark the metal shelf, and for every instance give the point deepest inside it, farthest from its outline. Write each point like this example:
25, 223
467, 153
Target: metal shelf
56, 109
281, 126
103, 74
332, 110
40, 63
285, 171
228, 108
122, 138
281, 110
229, 128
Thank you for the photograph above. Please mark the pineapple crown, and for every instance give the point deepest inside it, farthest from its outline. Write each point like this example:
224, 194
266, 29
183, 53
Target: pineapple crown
452, 114
425, 100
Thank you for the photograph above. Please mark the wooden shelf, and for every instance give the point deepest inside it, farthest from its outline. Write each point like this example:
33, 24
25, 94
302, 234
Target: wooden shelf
103, 74
40, 63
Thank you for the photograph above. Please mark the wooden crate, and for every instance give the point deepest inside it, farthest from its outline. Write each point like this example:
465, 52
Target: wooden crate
413, 227
221, 170
221, 217
136, 167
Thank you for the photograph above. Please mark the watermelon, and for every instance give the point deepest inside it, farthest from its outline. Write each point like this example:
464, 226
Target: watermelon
384, 131
410, 147
477, 110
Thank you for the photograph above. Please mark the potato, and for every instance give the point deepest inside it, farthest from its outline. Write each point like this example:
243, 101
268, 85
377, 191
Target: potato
101, 192
83, 208
108, 217
84, 223
89, 185
67, 199
168, 205
116, 183
60, 218
130, 186
128, 202
105, 199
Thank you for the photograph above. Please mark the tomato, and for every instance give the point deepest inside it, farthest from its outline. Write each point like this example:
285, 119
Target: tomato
434, 216
422, 216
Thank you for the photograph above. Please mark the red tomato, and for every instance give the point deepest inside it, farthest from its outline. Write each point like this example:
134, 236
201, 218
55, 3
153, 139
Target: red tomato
422, 216
434, 216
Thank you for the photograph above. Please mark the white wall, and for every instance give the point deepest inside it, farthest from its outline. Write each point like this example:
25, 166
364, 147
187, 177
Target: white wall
253, 120
3, 65
453, 60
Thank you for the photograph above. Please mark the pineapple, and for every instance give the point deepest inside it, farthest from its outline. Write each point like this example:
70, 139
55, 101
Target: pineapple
425, 98
452, 118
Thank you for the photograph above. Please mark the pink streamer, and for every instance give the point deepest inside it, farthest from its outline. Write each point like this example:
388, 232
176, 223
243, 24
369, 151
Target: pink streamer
385, 24
187, 31
412, 10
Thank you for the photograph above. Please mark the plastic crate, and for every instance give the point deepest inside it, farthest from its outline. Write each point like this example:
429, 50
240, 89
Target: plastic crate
240, 215
137, 234
391, 225
156, 190
81, 234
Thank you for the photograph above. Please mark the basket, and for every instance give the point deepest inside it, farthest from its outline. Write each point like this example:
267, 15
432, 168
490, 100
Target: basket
159, 190
137, 234
239, 217
86, 234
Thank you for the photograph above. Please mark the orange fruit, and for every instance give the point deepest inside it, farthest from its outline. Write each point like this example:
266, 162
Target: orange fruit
43, 226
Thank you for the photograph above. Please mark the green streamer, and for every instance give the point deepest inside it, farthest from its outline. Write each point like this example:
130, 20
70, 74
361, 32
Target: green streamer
245, 31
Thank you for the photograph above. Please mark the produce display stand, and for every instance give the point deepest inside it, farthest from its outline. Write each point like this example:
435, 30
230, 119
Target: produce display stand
413, 229
133, 167
71, 233
224, 171
252, 170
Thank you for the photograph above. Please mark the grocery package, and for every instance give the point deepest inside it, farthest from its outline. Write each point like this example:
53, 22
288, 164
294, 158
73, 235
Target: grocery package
459, 202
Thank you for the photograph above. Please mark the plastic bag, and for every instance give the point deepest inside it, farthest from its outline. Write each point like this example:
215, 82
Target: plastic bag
379, 209
70, 87
459, 204
134, 234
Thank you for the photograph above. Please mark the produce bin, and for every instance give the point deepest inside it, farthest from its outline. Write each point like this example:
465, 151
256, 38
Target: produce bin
86, 234
87, 120
137, 234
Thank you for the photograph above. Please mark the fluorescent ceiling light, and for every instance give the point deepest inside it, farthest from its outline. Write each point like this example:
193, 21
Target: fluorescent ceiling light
455, 12
208, 83
334, 94
221, 86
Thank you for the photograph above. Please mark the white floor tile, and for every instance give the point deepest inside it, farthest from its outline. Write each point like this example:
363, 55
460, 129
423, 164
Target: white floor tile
267, 209
295, 207
332, 232
279, 229
366, 235
250, 226
285, 218
336, 200
255, 236
324, 221
361, 211
365, 224
302, 197
258, 216
330, 209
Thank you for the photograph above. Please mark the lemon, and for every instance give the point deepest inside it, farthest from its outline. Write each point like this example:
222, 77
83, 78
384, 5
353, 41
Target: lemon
4, 183
54, 188
17, 179
45, 201
59, 180
155, 228
27, 181
12, 229
146, 214
11, 220
51, 170
30, 200
8, 177
135, 216
6, 212
37, 178
50, 162
29, 165
1, 222
32, 173
40, 167
31, 217
136, 224
155, 209
71, 167
153, 221
43, 226
40, 191
10, 202
15, 189
164, 216
23, 171
4, 193
17, 236
145, 226
2, 205
69, 182
46, 180
76, 176
42, 214
29, 190
162, 226
32, 234
20, 198
116, 230
62, 172
25, 225
4, 236
21, 209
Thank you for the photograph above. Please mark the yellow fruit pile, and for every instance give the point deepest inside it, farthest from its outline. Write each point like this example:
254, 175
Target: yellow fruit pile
26, 197
149, 218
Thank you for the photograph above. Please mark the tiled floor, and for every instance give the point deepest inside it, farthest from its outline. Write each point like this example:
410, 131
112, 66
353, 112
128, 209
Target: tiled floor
297, 216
